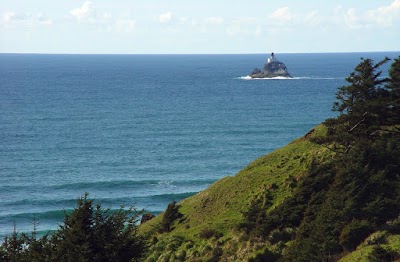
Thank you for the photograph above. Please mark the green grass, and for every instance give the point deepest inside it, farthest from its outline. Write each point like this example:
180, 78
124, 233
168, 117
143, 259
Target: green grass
220, 206
362, 252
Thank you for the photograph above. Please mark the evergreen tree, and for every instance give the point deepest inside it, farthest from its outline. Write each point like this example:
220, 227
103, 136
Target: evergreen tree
393, 98
361, 105
13, 246
89, 233
73, 240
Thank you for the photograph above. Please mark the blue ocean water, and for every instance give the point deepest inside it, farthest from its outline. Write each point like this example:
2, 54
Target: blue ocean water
146, 129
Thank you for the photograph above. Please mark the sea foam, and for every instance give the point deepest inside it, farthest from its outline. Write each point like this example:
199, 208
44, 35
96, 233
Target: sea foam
288, 78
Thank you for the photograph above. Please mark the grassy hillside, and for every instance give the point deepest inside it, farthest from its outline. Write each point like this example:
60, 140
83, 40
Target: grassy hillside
208, 229
331, 195
211, 217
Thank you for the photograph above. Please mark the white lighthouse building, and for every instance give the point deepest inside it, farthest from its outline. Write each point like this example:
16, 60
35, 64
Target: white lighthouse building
271, 58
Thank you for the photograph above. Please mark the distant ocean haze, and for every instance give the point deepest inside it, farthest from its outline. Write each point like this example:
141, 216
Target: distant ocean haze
145, 130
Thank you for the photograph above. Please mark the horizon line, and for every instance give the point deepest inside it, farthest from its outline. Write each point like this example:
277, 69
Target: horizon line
258, 53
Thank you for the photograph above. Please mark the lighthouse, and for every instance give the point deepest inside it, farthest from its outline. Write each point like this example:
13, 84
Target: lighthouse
271, 58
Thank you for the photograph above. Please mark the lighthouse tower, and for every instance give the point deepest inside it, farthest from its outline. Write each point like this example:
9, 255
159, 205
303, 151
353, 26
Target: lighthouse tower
271, 58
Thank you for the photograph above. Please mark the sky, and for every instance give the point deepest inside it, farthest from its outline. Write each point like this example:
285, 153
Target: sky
198, 27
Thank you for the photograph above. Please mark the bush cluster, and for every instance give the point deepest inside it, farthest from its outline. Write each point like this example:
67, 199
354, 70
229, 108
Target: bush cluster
170, 215
209, 233
89, 233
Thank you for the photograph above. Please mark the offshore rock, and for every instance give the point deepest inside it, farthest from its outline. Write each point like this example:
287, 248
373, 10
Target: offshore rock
272, 68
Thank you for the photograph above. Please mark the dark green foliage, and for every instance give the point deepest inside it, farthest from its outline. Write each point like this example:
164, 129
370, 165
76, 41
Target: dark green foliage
13, 247
216, 254
3, 254
209, 233
291, 212
266, 256
97, 234
281, 235
394, 226
357, 98
24, 247
89, 233
170, 215
359, 104
360, 191
341, 201
354, 233
365, 107
254, 218
381, 254
393, 99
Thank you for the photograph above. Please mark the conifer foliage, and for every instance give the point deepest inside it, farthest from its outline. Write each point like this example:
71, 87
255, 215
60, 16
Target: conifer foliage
363, 106
89, 233
343, 200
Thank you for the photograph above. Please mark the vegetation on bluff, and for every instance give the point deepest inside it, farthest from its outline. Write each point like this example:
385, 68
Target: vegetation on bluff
357, 192
331, 195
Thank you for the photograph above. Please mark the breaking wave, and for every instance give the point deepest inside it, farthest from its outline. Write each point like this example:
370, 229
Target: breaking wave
289, 78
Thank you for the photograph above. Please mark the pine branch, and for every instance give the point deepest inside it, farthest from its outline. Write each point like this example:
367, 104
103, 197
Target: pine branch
359, 123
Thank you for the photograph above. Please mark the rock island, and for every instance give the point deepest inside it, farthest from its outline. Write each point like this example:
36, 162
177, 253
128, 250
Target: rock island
272, 68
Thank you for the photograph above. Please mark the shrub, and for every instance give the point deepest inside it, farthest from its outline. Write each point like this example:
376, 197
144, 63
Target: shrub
381, 254
189, 245
170, 215
377, 238
283, 235
354, 233
267, 255
394, 226
209, 233
181, 255
216, 254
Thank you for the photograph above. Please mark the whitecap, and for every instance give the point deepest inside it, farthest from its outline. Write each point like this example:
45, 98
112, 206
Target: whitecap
245, 77
289, 78
272, 78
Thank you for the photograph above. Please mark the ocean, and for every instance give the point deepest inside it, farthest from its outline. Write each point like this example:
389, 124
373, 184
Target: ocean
145, 130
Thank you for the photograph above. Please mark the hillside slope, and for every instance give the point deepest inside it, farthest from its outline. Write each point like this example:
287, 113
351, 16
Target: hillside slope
209, 225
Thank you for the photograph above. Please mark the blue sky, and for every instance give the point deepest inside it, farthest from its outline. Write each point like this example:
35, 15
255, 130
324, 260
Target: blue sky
198, 27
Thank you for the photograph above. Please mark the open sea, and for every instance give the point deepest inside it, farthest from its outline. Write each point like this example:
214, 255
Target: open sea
145, 130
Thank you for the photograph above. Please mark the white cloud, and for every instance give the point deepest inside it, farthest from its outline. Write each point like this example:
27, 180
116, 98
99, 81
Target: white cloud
124, 25
244, 27
10, 19
86, 11
214, 20
104, 22
381, 17
313, 18
345, 18
282, 14
352, 20
393, 7
165, 17
258, 31
385, 15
